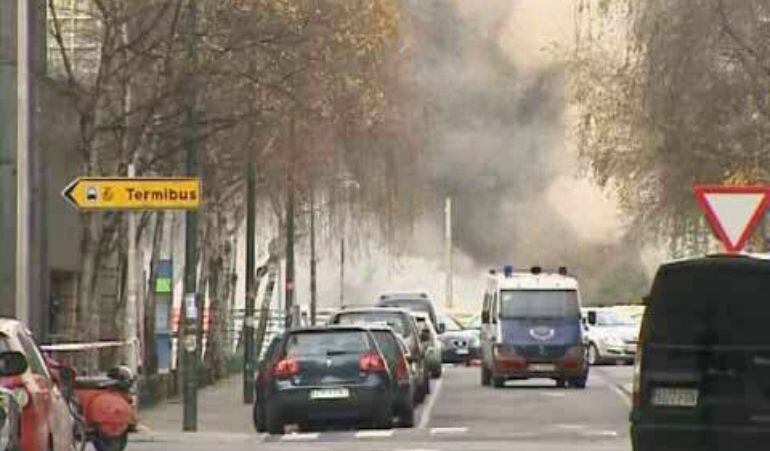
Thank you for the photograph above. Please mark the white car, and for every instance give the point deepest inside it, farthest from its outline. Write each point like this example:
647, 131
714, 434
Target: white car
611, 336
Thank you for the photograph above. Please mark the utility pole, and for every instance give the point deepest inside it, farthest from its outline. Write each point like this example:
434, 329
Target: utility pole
313, 287
342, 272
190, 305
23, 167
289, 288
249, 357
289, 299
448, 255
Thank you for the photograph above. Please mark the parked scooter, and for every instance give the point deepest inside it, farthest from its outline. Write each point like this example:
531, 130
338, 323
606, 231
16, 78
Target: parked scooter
106, 405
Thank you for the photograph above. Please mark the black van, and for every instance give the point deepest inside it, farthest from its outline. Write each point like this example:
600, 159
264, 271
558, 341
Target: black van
702, 380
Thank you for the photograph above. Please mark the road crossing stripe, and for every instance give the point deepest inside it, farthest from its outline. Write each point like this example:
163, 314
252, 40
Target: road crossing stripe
294, 437
599, 433
571, 426
428, 409
458, 430
375, 434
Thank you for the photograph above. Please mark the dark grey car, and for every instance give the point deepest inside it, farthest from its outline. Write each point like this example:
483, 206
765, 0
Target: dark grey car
402, 323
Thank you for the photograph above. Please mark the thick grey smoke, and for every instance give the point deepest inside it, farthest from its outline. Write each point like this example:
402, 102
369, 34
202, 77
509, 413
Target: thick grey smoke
495, 131
497, 137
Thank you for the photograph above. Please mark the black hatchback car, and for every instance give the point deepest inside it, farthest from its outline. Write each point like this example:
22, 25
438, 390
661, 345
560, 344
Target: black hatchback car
702, 380
321, 375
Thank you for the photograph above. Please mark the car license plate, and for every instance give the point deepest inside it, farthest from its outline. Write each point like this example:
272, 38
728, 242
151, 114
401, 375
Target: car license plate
542, 367
330, 393
675, 397
462, 351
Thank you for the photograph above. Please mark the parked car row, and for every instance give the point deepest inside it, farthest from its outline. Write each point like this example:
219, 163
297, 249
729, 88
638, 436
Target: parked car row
367, 366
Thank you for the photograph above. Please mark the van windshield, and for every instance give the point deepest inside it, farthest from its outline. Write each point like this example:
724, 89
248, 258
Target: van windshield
538, 304
710, 302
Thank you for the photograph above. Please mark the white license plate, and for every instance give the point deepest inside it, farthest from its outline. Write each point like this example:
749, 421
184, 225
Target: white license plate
330, 393
675, 397
462, 351
542, 367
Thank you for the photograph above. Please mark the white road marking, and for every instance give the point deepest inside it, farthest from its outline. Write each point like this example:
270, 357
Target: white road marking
375, 434
553, 394
295, 437
599, 433
456, 430
617, 390
428, 410
623, 395
571, 426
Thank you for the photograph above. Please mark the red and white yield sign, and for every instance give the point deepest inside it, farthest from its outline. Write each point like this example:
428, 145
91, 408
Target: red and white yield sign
733, 211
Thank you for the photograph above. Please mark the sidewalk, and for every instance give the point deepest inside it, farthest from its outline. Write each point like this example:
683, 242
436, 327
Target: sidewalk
220, 412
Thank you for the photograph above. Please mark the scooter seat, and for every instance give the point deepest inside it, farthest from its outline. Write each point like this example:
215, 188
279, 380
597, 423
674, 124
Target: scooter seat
98, 382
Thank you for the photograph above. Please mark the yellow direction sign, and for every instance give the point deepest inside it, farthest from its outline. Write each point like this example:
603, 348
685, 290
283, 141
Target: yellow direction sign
87, 193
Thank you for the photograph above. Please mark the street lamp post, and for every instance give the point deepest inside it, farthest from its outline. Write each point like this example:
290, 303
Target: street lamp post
190, 307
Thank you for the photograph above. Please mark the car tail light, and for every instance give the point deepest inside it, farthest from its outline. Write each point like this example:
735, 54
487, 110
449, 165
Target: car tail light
286, 368
574, 357
372, 362
509, 355
402, 371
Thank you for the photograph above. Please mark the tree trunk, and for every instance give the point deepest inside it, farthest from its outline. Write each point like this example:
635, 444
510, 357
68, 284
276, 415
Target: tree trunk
150, 361
88, 312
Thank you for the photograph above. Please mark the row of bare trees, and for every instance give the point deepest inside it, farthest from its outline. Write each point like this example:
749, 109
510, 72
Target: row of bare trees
670, 94
310, 89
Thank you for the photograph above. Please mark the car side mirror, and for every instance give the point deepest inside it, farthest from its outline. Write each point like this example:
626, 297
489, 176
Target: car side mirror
13, 363
592, 318
485, 317
441, 328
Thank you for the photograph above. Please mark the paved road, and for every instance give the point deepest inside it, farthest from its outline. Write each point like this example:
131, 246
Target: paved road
532, 415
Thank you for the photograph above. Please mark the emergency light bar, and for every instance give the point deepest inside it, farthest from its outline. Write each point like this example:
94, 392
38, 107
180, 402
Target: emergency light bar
509, 270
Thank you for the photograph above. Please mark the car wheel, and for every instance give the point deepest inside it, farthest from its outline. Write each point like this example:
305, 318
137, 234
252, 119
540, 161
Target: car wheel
486, 376
274, 422
593, 355
579, 382
406, 415
110, 443
383, 419
498, 382
258, 412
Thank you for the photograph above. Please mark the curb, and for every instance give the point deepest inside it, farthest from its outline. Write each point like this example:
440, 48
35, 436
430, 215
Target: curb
148, 436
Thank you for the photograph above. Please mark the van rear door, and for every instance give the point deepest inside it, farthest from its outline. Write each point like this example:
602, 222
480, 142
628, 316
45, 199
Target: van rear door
706, 353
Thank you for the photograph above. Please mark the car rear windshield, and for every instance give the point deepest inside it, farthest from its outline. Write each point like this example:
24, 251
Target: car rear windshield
396, 321
450, 324
414, 305
539, 304
388, 344
303, 344
710, 302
